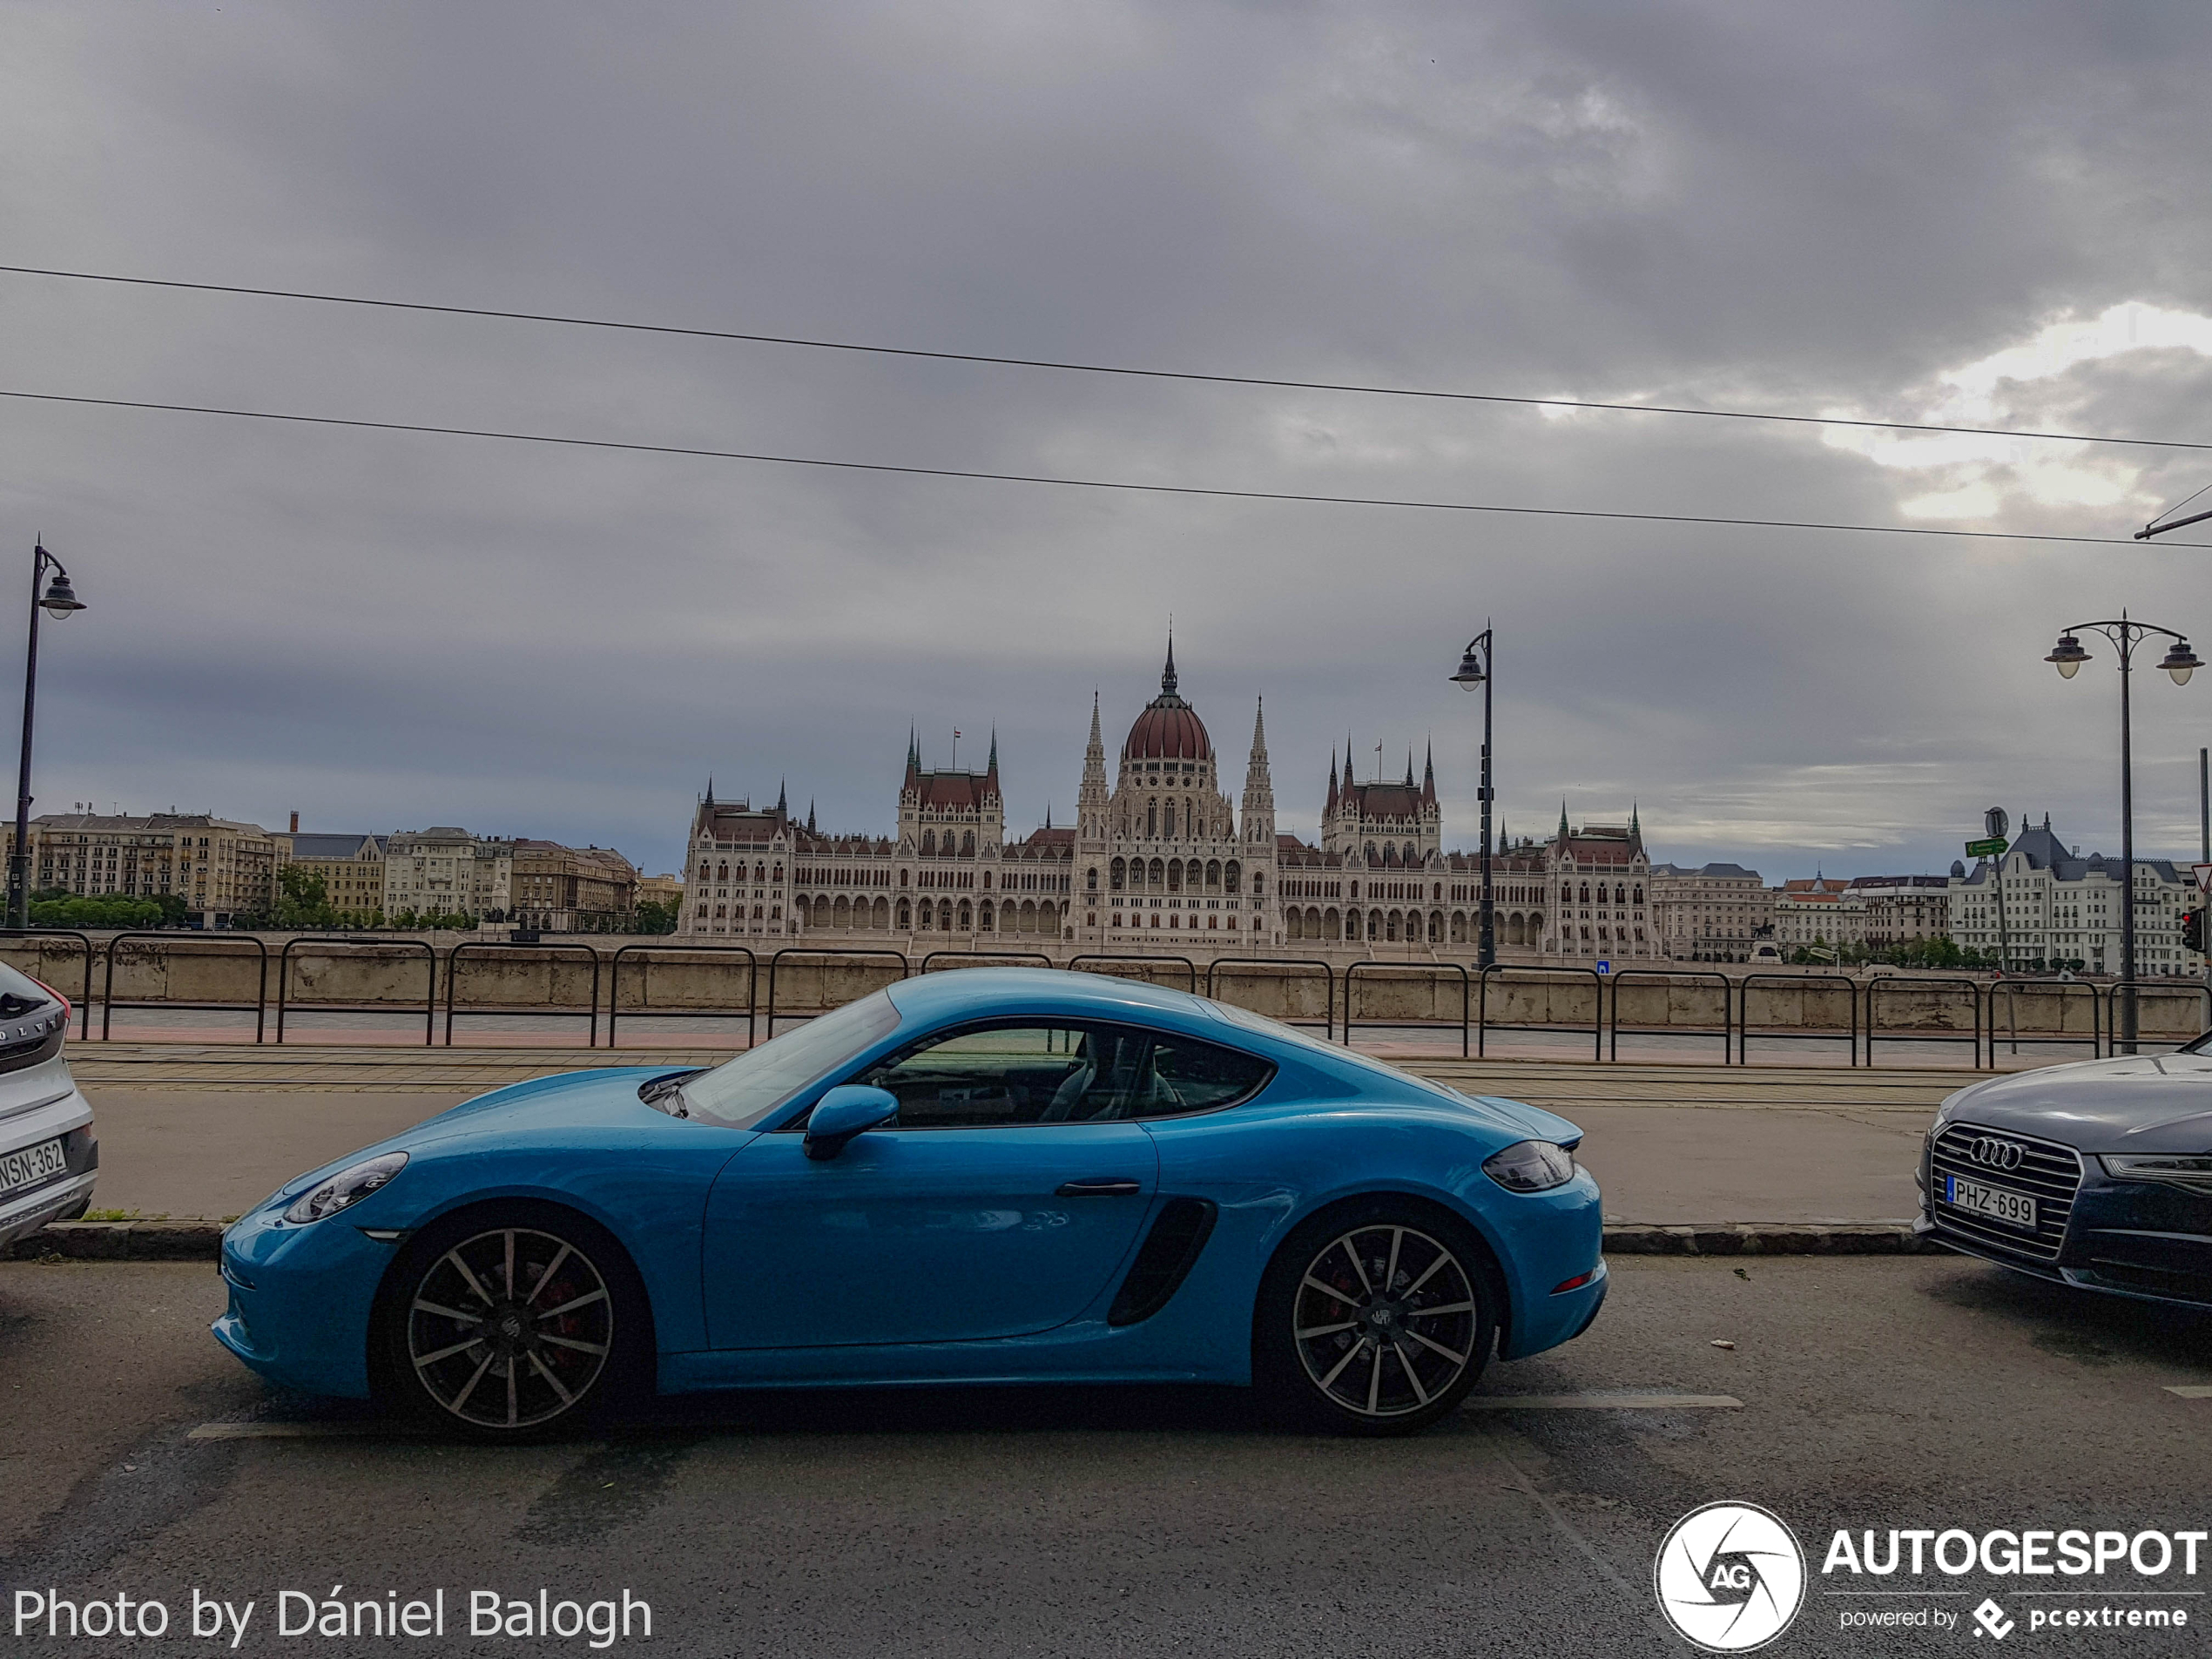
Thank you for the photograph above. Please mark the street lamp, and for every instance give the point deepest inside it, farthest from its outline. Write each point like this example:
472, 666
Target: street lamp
60, 602
2180, 663
1475, 670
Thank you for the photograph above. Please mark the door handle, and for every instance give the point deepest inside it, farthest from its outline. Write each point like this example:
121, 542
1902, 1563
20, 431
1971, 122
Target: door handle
1105, 1186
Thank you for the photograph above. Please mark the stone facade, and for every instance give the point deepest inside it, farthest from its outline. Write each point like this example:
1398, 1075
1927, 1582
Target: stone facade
2061, 909
446, 871
1717, 913
1161, 859
217, 866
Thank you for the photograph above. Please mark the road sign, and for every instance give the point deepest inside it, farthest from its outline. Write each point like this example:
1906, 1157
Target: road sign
1991, 849
1605, 968
2204, 877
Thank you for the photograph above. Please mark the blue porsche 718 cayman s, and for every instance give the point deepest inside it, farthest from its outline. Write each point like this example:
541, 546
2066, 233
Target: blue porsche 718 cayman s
987, 1176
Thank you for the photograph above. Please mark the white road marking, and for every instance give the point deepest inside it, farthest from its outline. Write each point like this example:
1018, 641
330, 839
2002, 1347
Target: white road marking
1602, 1402
286, 1431
2190, 1391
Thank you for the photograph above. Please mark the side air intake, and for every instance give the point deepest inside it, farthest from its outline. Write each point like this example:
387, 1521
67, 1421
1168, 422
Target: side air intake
1165, 1260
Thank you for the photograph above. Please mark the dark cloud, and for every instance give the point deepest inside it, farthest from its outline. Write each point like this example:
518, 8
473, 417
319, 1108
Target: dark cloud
1800, 207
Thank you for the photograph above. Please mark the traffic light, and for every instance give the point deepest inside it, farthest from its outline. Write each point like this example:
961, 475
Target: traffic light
2193, 930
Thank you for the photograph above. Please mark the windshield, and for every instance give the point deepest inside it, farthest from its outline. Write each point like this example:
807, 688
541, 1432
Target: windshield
742, 1092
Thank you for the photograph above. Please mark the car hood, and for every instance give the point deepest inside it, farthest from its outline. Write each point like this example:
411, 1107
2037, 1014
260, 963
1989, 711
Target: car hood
2132, 1103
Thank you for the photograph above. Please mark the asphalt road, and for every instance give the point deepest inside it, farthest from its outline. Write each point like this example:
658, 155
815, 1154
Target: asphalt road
1875, 1393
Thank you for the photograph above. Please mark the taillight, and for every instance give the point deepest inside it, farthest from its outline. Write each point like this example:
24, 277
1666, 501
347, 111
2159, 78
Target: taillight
56, 994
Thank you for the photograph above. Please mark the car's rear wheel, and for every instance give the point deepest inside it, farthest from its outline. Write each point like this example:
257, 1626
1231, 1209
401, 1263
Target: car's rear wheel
1374, 1319
511, 1323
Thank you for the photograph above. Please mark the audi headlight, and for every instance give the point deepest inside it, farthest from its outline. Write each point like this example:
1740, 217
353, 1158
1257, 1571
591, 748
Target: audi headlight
1530, 1166
348, 1186
2180, 1171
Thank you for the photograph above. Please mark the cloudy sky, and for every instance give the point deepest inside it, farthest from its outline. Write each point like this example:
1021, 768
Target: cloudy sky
1985, 214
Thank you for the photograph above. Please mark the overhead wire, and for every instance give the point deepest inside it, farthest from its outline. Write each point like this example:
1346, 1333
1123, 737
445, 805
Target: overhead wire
1054, 481
1070, 367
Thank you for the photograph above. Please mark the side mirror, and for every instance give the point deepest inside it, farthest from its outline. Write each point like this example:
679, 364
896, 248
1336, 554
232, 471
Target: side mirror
847, 1110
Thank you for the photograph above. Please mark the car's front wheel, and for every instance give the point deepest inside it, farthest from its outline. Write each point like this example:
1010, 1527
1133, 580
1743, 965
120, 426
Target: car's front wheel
1374, 1319
511, 1323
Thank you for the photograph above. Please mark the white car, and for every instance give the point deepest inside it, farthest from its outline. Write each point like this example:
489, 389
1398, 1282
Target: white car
49, 1154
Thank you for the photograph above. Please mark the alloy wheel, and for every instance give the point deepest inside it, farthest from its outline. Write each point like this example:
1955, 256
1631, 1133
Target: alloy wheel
510, 1328
1384, 1320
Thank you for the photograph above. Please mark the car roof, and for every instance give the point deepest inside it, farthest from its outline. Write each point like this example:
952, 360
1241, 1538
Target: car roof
980, 993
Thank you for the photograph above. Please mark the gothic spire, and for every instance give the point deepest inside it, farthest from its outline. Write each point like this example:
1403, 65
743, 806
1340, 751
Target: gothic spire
1428, 774
1562, 819
782, 805
810, 813
992, 766
1409, 766
1167, 676
710, 789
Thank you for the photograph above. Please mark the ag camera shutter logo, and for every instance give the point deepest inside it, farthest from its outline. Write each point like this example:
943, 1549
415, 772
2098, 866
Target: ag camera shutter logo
1729, 1577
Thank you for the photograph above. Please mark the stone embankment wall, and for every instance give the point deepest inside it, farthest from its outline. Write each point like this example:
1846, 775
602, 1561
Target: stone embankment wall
397, 972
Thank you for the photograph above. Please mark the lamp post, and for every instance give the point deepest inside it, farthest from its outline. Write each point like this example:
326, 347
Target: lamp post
59, 601
2180, 663
1475, 670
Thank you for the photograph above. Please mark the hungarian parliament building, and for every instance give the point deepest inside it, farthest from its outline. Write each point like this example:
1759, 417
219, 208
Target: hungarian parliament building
1159, 859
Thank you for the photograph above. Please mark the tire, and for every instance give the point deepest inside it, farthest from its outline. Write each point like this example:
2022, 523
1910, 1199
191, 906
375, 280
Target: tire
1375, 1317
459, 1354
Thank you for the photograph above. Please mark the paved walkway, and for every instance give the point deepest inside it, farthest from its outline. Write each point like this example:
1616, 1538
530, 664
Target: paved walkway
210, 1130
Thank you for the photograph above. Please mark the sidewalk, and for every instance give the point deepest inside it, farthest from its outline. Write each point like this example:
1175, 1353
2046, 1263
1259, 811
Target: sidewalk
188, 1131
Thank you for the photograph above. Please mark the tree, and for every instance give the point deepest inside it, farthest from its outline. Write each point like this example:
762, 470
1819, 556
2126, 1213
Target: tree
654, 917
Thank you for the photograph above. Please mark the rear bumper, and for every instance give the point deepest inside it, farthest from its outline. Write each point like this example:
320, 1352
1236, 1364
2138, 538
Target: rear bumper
68, 1116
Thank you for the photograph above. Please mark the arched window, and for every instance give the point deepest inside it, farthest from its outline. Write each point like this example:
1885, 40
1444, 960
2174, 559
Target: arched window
968, 844
903, 882
966, 916
1620, 893
1259, 882
906, 916
1371, 852
929, 843
1157, 876
1586, 893
1090, 880
984, 918
1152, 819
1639, 893
1231, 876
1213, 875
1175, 875
1116, 875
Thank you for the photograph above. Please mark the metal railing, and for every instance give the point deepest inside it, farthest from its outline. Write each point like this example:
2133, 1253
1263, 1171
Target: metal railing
1484, 1025
84, 1003
1700, 977
985, 959
259, 1006
347, 941
1354, 970
1328, 981
614, 985
549, 952
906, 969
1075, 965
2155, 990
2057, 989
1876, 1032
1775, 1034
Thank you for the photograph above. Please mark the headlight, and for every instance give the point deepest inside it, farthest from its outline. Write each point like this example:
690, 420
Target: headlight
348, 1186
1530, 1166
2182, 1170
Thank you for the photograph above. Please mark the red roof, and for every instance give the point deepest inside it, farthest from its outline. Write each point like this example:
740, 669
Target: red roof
1169, 729
954, 788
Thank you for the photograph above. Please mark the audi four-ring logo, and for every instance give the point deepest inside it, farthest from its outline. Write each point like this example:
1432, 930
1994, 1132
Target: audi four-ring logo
1997, 1155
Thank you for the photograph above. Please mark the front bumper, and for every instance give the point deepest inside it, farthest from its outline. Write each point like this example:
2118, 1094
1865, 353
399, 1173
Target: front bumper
2147, 1239
300, 1297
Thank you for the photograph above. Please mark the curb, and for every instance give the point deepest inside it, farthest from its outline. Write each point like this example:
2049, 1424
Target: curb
1809, 1238
201, 1241
121, 1241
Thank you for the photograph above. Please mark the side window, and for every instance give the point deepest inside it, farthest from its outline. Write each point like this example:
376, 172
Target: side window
1010, 1075
1187, 1075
